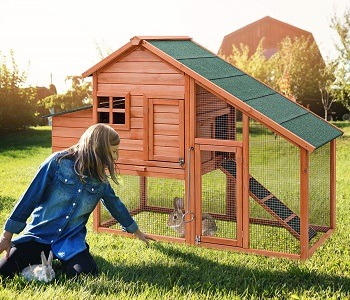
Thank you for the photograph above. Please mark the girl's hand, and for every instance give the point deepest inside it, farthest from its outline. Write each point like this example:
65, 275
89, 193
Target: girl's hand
5, 245
143, 237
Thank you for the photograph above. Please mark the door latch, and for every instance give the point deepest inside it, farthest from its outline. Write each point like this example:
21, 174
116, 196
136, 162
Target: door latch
181, 161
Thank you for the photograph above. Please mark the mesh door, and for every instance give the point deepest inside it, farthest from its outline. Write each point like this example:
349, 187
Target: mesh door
218, 195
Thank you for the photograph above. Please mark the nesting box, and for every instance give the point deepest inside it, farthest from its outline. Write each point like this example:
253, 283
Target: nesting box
196, 128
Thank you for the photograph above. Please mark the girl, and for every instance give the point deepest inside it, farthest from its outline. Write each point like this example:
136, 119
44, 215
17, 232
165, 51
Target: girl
60, 199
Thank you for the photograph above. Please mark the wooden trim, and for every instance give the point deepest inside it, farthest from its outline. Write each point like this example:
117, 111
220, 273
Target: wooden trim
304, 203
165, 37
211, 240
175, 96
104, 62
96, 217
239, 197
215, 142
213, 88
322, 239
94, 99
213, 147
150, 129
250, 251
213, 114
191, 176
112, 94
181, 128
245, 183
332, 179
127, 110
146, 154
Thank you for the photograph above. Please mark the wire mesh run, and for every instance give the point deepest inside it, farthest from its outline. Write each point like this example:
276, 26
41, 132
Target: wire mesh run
319, 190
150, 200
274, 189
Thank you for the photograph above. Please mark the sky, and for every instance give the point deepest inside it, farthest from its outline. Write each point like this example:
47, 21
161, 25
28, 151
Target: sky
60, 38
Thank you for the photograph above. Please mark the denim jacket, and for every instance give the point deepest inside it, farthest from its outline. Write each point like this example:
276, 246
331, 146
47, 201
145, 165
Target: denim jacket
60, 205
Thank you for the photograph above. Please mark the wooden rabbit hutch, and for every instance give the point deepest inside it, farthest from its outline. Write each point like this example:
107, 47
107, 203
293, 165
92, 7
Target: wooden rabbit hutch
194, 127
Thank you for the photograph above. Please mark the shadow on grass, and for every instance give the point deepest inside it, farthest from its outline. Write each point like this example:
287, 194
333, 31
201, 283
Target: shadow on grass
341, 124
6, 203
195, 273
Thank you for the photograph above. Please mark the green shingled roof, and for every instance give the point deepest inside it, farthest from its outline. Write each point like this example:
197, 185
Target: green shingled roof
262, 98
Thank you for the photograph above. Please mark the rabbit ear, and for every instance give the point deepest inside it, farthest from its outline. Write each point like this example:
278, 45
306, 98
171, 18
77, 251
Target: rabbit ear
43, 259
49, 261
178, 203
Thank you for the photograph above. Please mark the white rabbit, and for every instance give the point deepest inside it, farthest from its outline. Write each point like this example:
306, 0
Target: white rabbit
176, 220
43, 272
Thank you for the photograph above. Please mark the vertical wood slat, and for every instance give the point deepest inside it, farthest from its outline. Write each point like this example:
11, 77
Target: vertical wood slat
191, 176
333, 184
96, 215
304, 203
150, 129
146, 154
94, 99
239, 198
181, 129
245, 183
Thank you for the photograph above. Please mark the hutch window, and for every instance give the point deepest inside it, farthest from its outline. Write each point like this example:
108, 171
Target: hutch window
114, 110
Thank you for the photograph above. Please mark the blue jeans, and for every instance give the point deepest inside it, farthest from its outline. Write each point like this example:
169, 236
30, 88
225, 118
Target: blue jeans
28, 253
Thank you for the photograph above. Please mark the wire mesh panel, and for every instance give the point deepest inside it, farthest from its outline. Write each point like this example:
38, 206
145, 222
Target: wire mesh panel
215, 118
218, 195
274, 189
151, 202
319, 185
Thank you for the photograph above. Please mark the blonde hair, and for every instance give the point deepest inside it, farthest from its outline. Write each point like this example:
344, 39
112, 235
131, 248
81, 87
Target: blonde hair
92, 153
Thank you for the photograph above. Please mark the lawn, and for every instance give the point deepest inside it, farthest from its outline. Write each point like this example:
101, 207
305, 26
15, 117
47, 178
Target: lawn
129, 270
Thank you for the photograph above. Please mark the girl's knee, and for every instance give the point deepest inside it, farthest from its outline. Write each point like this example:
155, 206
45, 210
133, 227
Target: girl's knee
79, 269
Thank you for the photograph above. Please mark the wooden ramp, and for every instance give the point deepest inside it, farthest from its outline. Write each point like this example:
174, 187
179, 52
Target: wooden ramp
284, 215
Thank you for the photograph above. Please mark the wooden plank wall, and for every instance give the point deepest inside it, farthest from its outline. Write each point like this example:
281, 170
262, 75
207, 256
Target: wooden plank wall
141, 74
67, 128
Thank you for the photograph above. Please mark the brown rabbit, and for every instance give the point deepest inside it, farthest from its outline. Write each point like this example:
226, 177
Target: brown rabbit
176, 220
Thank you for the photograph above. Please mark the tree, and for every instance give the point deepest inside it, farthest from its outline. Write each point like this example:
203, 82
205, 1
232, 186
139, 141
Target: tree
42, 92
293, 70
297, 65
255, 65
16, 109
77, 96
326, 84
342, 73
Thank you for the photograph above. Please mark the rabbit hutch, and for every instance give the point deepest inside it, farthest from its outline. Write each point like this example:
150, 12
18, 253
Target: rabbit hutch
209, 156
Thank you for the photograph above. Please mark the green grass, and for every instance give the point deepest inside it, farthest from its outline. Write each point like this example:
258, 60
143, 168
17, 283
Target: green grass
129, 270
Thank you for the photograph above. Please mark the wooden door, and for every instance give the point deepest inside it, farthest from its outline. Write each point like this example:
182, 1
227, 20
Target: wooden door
165, 129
